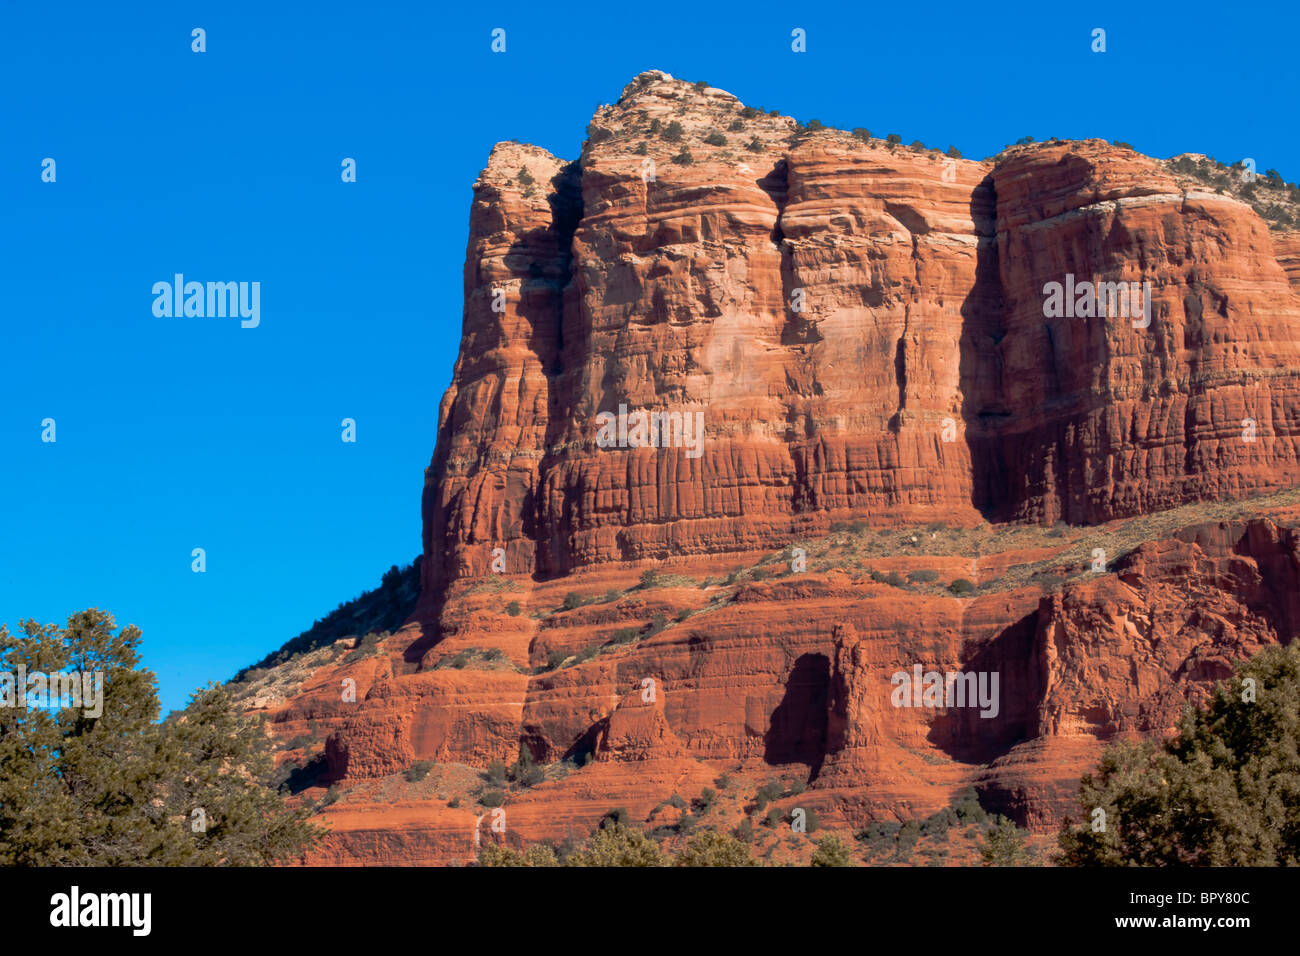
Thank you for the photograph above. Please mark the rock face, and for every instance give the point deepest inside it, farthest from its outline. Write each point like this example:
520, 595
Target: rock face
834, 330
828, 306
1111, 419
1288, 255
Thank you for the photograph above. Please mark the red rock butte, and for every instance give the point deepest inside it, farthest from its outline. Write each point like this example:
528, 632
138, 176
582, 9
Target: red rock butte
862, 327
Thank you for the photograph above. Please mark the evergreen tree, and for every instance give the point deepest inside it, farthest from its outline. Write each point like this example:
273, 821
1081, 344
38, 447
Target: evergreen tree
1004, 845
711, 848
1225, 791
831, 851
538, 855
618, 845
116, 788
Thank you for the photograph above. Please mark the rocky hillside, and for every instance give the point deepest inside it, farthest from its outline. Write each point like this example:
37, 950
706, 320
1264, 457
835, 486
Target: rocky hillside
902, 457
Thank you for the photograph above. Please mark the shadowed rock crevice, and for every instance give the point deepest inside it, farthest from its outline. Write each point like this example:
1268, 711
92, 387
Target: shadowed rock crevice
962, 732
797, 732
797, 329
984, 409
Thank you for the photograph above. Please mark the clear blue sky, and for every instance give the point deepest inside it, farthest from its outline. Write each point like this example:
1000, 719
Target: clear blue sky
182, 433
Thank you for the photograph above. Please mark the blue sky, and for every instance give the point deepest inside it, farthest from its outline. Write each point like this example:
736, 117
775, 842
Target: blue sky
174, 433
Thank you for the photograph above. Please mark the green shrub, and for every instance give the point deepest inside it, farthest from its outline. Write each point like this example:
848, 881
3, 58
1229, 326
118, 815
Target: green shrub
967, 807
770, 791
496, 773
513, 609
538, 855
862, 134
684, 158
711, 848
938, 823
617, 845
1004, 845
961, 586
649, 578
418, 770
922, 576
492, 798
879, 836
716, 139
673, 132
572, 600
831, 851
893, 139
524, 771
755, 145
908, 835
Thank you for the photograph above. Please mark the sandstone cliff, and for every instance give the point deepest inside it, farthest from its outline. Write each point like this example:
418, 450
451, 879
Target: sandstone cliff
862, 328
639, 280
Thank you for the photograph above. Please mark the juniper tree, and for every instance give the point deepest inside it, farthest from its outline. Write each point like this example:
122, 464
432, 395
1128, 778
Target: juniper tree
116, 787
1225, 791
